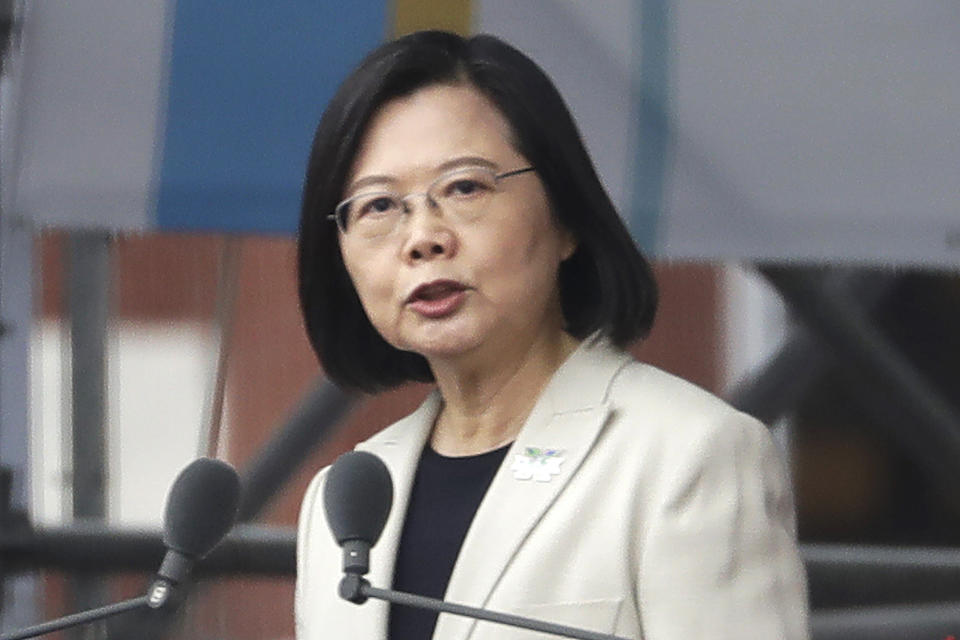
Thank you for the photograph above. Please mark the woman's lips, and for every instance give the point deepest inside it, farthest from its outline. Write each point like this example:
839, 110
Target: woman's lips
437, 299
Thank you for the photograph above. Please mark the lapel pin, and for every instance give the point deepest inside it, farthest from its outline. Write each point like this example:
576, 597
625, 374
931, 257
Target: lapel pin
536, 463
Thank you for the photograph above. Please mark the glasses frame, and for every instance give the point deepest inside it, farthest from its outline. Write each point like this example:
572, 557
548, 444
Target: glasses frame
497, 177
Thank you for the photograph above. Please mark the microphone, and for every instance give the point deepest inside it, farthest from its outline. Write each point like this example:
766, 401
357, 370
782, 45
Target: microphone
357, 496
201, 509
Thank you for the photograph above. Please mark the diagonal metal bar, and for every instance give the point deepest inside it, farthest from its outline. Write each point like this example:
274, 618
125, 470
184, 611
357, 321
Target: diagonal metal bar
913, 412
309, 426
777, 386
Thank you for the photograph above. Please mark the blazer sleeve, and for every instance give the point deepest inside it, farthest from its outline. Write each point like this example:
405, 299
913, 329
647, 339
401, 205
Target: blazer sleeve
718, 556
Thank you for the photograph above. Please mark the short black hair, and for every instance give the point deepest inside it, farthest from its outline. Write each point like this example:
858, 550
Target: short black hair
606, 286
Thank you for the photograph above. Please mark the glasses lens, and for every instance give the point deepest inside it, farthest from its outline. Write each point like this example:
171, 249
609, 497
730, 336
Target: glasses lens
465, 191
369, 214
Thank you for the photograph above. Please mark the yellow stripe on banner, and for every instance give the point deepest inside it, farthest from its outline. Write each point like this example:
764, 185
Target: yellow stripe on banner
414, 15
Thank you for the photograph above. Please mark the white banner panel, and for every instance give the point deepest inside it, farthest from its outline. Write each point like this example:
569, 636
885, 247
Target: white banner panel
816, 130
802, 131
89, 91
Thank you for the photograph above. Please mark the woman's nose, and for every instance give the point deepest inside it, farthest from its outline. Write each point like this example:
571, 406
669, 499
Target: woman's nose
428, 233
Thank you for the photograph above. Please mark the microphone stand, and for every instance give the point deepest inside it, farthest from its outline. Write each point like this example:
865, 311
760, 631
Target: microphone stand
357, 589
160, 594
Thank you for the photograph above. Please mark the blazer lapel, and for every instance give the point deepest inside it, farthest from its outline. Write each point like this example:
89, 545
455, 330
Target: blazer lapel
566, 421
399, 447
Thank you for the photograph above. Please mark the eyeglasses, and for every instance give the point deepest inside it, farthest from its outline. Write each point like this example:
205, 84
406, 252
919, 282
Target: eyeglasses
463, 193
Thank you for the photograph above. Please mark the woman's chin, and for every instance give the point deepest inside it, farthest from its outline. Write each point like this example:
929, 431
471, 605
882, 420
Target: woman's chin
442, 344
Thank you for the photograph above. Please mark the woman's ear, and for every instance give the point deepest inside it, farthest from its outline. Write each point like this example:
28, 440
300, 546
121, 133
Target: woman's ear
569, 244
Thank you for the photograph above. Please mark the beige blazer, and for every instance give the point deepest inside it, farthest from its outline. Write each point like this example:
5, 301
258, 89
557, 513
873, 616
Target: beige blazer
632, 503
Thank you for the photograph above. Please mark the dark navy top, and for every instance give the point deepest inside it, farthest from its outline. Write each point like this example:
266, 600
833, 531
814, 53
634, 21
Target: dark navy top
445, 495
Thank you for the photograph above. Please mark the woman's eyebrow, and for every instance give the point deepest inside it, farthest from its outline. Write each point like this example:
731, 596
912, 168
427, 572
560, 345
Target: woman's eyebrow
443, 167
368, 180
465, 161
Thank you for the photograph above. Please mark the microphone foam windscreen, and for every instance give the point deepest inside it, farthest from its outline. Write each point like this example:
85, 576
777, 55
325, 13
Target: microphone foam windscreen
201, 507
357, 497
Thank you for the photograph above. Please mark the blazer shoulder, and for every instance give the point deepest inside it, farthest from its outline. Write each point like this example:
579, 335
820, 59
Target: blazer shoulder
660, 403
639, 382
689, 434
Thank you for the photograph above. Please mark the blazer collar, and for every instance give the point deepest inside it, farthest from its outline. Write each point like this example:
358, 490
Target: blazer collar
566, 420
583, 380
399, 446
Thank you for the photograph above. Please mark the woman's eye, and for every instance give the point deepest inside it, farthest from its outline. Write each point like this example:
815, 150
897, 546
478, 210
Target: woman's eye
379, 205
464, 187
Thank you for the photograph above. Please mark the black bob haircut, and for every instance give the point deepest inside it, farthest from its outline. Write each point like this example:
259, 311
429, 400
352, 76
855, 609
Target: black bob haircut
606, 286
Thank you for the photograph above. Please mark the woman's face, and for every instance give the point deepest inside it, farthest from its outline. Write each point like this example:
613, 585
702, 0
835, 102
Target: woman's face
440, 285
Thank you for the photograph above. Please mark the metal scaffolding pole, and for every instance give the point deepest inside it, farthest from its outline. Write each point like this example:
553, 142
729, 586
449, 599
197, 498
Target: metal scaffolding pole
88, 298
17, 594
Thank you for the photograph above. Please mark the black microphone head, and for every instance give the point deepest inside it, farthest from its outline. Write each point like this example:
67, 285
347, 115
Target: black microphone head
357, 497
201, 507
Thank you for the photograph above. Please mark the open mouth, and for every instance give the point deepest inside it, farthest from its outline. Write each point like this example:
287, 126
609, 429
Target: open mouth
437, 299
436, 290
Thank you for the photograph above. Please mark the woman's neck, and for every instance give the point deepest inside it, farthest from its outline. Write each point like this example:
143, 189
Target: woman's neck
487, 401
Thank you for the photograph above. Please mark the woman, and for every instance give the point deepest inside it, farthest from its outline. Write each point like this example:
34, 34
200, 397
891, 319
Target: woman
454, 230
